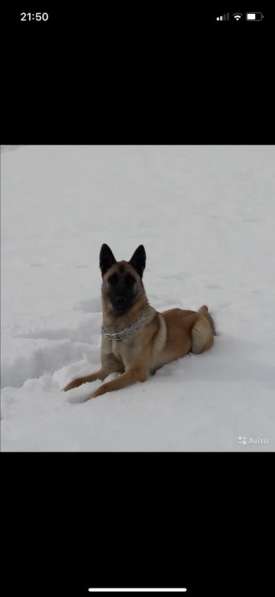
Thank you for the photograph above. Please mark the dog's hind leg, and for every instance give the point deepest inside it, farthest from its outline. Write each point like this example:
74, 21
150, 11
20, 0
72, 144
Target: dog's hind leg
203, 331
204, 310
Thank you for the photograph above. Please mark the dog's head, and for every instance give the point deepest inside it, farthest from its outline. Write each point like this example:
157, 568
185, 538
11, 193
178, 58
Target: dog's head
122, 280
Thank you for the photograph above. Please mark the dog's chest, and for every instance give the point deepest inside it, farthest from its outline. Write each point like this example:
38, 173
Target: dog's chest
125, 350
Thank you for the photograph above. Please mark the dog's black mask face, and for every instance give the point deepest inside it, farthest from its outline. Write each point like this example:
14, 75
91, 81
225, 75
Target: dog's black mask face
122, 289
122, 280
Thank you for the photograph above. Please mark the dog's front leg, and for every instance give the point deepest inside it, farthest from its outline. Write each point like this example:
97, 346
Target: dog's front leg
129, 377
78, 381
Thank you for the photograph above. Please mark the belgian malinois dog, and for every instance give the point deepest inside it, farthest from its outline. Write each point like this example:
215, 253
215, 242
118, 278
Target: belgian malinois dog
136, 339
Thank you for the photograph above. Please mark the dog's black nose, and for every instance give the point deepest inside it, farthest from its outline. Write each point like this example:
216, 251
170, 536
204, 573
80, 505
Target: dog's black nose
120, 300
120, 303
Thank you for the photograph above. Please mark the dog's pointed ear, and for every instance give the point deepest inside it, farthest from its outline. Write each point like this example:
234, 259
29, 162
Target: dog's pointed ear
106, 259
138, 260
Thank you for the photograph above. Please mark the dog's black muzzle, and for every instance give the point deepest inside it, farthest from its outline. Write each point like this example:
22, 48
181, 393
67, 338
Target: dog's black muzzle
121, 302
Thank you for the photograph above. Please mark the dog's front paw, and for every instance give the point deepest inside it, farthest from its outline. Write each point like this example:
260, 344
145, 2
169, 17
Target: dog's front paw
73, 384
96, 393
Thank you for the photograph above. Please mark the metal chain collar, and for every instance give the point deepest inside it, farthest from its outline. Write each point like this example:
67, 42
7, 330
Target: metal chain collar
147, 315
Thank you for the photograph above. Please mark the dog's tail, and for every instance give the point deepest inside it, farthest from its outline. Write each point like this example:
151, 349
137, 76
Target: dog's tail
204, 310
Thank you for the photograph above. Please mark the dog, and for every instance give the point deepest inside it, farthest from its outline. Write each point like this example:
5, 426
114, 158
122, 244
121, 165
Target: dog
136, 338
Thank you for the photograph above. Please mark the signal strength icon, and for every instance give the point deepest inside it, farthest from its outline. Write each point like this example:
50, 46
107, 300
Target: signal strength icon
224, 17
237, 16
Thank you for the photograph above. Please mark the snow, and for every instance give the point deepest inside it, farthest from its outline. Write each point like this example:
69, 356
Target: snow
206, 217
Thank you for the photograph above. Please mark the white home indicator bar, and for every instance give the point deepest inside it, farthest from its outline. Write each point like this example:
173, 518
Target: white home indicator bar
92, 590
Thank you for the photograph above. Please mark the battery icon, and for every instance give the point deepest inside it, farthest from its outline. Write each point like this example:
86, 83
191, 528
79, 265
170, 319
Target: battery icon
254, 16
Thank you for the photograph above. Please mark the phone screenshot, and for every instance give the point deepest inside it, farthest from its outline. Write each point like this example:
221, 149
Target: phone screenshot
137, 299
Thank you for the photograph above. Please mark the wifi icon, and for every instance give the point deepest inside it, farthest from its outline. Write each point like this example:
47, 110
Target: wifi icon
237, 16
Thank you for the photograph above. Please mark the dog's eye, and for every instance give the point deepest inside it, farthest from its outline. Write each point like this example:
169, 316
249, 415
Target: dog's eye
129, 280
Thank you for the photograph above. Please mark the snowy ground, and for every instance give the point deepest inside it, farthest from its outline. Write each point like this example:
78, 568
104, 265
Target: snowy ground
206, 217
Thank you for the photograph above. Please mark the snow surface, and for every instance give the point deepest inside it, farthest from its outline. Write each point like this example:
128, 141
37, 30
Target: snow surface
206, 217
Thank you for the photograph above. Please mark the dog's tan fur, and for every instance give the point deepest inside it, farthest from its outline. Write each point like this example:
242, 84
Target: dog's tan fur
169, 335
